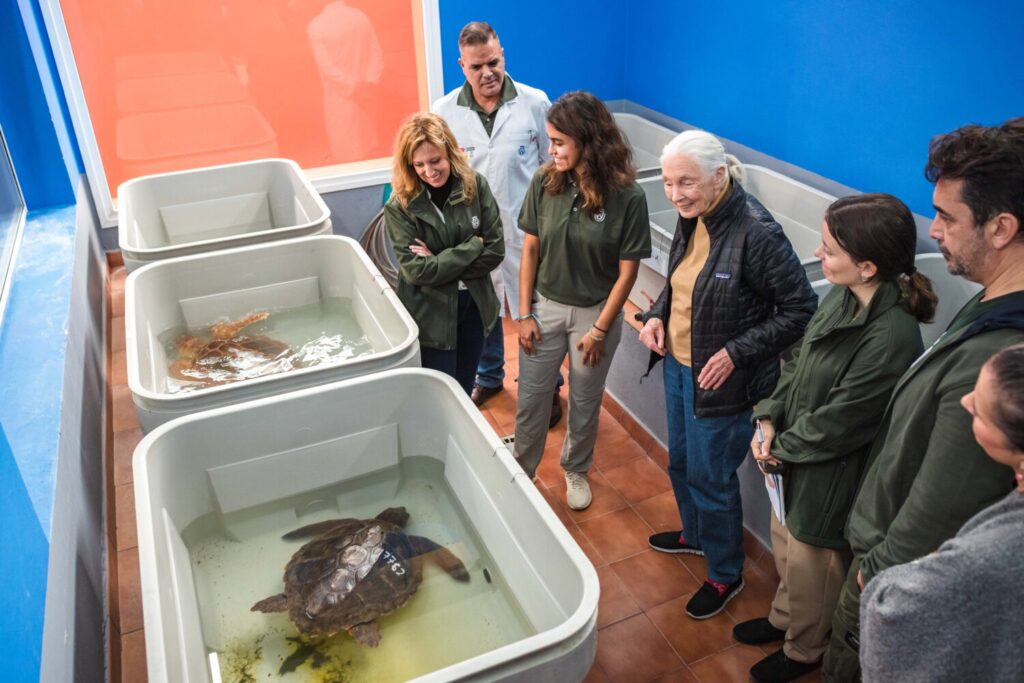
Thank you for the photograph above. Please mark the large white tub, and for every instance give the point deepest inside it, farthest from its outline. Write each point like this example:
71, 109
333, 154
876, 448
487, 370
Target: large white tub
196, 291
190, 212
646, 138
953, 293
288, 454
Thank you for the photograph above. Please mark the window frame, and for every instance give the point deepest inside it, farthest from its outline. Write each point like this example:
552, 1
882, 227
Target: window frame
103, 196
12, 246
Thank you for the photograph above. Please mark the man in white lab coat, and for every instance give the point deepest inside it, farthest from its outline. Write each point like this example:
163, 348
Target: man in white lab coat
500, 125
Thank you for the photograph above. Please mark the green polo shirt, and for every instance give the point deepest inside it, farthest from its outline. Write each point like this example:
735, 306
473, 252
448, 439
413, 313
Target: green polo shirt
466, 99
580, 254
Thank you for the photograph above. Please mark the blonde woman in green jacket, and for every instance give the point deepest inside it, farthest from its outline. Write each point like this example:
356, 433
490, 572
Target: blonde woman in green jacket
819, 423
445, 230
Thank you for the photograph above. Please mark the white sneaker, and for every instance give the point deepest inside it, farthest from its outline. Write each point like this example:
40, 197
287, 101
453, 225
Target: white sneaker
577, 490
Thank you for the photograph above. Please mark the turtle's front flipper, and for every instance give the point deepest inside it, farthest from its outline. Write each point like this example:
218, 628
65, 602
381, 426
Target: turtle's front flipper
303, 650
228, 330
366, 634
275, 603
441, 556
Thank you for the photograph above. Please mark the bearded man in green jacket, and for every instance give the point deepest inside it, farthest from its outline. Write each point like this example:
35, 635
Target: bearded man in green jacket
926, 474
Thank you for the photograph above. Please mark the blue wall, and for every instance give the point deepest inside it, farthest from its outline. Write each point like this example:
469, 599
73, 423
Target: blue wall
852, 91
24, 575
33, 111
554, 45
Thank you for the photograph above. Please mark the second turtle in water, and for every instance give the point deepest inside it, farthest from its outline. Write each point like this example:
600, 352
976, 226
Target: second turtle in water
353, 571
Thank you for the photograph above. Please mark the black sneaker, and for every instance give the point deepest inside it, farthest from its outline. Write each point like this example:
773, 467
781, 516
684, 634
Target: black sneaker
778, 668
707, 602
757, 632
668, 542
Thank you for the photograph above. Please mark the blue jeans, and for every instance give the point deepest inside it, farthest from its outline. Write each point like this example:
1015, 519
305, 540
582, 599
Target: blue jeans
461, 361
490, 372
703, 455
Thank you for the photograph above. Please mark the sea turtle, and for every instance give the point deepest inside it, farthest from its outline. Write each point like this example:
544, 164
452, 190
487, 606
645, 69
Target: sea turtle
353, 571
228, 356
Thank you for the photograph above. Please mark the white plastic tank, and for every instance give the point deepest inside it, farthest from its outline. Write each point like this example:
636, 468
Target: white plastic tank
646, 139
326, 302
189, 212
953, 292
215, 491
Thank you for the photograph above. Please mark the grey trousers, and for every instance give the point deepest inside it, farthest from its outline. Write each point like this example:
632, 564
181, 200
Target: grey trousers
561, 328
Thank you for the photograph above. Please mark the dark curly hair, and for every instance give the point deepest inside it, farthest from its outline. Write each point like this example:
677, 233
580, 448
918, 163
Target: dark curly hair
990, 161
1007, 368
606, 158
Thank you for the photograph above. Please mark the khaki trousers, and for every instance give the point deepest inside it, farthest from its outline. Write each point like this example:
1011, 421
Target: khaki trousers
561, 328
810, 581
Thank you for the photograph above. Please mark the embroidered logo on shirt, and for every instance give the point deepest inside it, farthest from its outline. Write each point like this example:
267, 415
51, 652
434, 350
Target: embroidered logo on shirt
476, 222
599, 216
723, 276
522, 150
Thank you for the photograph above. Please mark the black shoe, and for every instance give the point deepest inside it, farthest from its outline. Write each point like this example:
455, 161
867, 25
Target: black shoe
757, 632
668, 542
707, 602
481, 393
778, 668
556, 411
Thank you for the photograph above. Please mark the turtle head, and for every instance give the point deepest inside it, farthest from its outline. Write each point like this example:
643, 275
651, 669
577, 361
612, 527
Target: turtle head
397, 516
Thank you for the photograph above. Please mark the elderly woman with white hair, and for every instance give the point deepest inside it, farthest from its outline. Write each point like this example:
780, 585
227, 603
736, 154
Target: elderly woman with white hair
735, 298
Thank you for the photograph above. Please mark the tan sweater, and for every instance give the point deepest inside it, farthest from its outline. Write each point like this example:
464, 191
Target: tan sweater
683, 279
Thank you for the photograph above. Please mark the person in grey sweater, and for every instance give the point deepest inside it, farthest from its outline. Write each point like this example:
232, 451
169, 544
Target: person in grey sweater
955, 615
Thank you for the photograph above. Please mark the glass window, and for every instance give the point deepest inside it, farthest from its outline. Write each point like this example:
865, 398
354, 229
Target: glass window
12, 219
174, 85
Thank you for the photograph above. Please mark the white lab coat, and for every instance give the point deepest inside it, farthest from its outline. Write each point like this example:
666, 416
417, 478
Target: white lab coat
508, 159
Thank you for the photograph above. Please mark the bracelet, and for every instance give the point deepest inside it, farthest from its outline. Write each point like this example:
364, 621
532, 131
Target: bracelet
599, 329
594, 337
531, 314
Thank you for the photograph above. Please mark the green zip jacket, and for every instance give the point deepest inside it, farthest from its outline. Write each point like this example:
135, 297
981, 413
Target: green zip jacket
428, 286
926, 474
829, 401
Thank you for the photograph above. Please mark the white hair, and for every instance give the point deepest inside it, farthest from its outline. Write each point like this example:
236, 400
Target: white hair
706, 151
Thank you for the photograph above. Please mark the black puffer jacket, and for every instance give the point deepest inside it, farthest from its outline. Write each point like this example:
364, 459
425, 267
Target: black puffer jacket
752, 297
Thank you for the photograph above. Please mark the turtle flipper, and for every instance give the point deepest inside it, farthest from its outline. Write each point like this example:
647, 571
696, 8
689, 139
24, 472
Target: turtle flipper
303, 651
441, 556
366, 634
275, 603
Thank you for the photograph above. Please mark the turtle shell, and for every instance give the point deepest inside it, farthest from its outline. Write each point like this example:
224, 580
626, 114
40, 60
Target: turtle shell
349, 575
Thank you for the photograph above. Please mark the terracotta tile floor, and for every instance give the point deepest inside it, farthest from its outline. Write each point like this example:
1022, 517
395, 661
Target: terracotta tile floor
643, 634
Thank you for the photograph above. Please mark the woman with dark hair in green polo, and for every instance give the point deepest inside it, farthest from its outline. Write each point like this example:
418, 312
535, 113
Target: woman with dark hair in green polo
586, 229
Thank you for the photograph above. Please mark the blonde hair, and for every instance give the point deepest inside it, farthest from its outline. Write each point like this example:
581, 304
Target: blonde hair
416, 130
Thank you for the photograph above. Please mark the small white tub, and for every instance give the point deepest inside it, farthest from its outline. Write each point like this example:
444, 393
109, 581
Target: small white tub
170, 297
646, 139
246, 474
189, 212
